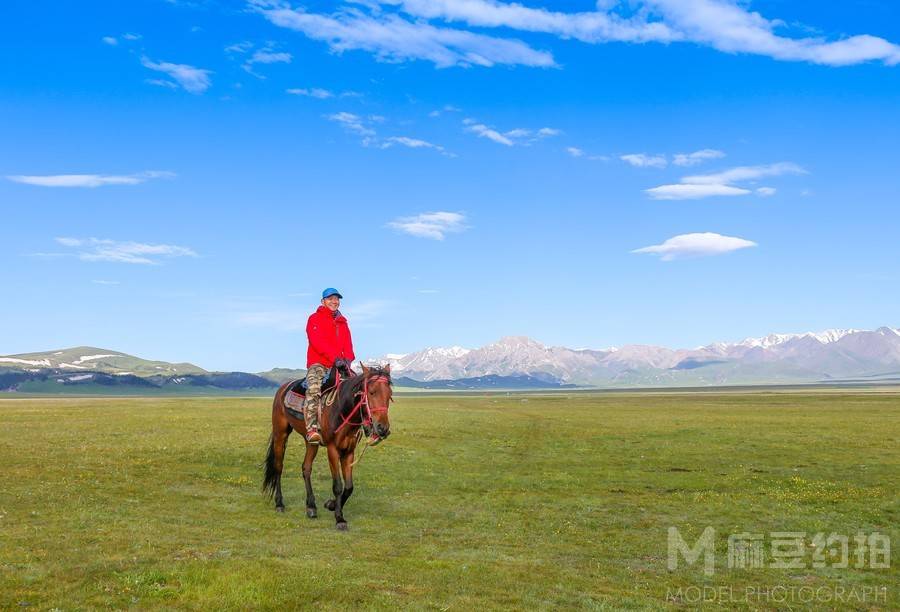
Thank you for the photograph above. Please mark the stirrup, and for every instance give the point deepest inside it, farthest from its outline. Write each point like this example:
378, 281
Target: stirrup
313, 436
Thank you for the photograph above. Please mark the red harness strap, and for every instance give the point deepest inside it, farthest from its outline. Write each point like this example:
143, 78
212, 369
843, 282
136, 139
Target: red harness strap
363, 402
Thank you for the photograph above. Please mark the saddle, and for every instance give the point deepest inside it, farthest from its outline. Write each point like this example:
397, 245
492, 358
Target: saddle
295, 396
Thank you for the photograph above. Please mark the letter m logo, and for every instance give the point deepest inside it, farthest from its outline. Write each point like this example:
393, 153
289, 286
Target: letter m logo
705, 545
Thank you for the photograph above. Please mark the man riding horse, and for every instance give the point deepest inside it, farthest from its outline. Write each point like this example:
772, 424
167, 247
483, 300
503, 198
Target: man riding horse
330, 346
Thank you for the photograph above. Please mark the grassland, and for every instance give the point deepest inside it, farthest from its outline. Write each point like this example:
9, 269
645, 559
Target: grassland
490, 502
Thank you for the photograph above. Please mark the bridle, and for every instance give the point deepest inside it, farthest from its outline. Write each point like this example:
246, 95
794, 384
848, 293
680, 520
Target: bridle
362, 406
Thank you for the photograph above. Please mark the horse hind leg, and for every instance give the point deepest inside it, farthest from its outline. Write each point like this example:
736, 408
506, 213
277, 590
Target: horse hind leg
311, 450
274, 465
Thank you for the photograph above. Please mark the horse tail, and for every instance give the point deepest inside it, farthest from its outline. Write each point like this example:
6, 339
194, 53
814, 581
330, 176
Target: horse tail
270, 473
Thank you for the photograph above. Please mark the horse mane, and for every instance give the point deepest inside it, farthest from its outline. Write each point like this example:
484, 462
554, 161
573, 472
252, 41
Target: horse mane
346, 398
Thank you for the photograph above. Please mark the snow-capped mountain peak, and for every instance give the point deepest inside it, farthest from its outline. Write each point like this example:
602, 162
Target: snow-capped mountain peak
825, 337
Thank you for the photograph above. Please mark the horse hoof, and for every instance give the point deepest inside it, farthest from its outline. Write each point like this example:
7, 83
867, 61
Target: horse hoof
329, 505
342, 526
311, 513
279, 508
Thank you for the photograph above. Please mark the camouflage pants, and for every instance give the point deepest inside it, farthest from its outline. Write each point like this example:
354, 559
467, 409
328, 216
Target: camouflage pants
315, 376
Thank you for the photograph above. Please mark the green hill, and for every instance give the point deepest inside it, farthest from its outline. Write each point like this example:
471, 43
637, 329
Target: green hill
93, 359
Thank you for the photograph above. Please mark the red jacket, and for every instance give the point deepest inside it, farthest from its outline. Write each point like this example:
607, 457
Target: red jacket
329, 338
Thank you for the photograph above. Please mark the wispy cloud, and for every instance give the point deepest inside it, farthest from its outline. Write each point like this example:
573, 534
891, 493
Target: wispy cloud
355, 124
113, 41
315, 92
687, 191
412, 143
191, 79
88, 180
241, 47
696, 245
723, 183
574, 151
725, 25
447, 108
392, 38
96, 249
697, 157
106, 282
266, 56
433, 225
745, 173
484, 131
644, 160
516, 136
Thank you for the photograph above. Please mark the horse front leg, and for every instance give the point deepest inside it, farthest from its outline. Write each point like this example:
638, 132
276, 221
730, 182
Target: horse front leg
311, 450
337, 487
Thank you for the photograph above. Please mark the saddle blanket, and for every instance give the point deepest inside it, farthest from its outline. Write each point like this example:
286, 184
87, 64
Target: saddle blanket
294, 400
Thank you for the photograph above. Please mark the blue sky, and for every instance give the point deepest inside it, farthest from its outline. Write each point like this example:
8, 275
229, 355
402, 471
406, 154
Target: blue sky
180, 179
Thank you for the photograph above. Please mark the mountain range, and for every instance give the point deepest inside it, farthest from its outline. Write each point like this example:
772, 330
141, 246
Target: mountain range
514, 362
831, 355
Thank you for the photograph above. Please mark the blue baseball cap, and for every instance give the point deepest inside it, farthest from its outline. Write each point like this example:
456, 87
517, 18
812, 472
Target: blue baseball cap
331, 291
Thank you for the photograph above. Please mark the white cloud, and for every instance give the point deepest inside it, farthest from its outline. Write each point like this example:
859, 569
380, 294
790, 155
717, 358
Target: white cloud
161, 83
745, 173
105, 282
696, 245
722, 183
193, 80
448, 108
315, 92
697, 157
484, 131
356, 124
394, 39
686, 191
643, 160
724, 25
113, 41
574, 151
241, 47
516, 136
95, 249
433, 225
412, 143
266, 56
88, 180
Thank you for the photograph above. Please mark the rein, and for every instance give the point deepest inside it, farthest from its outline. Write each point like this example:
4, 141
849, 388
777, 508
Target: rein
362, 406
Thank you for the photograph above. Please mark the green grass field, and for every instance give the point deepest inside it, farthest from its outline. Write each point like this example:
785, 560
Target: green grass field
474, 502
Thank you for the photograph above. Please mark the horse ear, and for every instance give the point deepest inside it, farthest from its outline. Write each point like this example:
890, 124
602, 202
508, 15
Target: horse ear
387, 369
364, 369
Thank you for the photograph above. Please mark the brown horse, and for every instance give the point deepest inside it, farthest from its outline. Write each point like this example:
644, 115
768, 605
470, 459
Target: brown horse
361, 402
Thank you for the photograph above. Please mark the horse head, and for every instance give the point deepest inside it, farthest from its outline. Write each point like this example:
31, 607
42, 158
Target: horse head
377, 388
